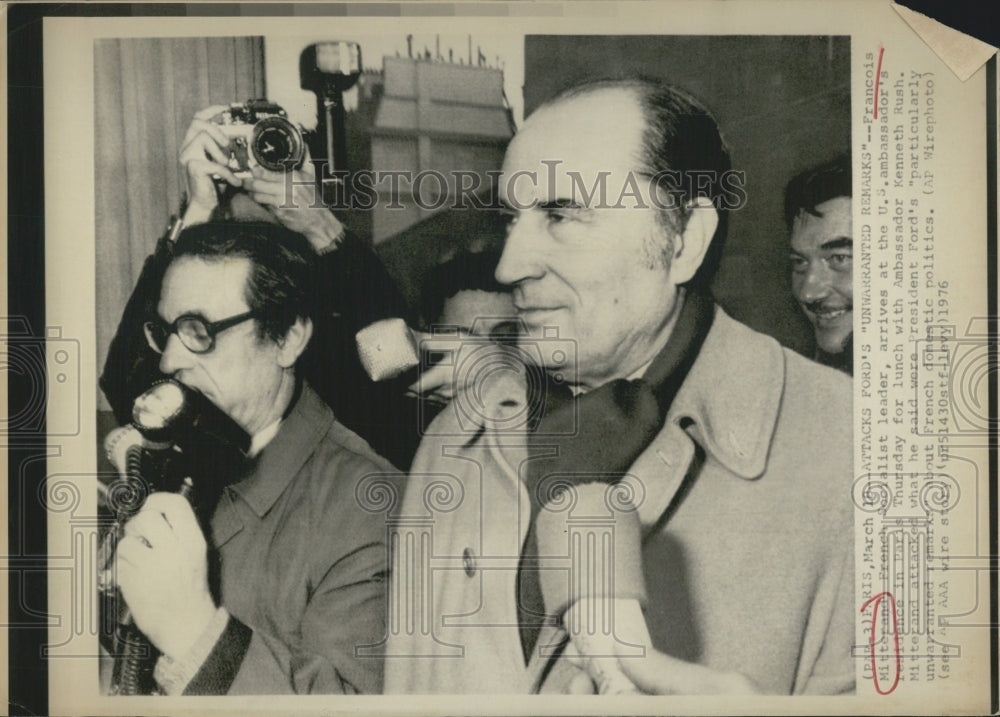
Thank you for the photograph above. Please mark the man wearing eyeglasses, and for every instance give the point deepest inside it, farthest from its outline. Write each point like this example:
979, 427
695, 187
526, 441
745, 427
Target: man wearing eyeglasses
355, 289
302, 567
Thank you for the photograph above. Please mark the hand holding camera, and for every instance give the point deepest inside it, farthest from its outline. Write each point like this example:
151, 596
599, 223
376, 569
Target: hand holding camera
254, 147
204, 156
294, 201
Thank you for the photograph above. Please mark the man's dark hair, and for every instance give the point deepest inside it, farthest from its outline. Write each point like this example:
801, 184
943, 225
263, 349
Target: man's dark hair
463, 272
281, 284
811, 188
683, 150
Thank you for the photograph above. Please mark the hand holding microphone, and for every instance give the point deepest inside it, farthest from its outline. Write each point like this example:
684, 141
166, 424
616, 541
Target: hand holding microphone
597, 650
156, 555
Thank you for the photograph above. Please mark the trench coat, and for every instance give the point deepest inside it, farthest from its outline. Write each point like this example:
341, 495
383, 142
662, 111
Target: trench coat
744, 502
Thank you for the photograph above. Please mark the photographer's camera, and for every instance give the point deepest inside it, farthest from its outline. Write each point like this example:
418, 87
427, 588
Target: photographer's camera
260, 133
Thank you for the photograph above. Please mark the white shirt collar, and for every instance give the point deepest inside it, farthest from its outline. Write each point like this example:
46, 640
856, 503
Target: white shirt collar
262, 437
638, 373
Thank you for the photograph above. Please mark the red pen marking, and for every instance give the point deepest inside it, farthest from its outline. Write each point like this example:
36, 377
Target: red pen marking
895, 639
878, 73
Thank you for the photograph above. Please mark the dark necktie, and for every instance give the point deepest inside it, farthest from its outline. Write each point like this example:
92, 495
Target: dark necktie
598, 435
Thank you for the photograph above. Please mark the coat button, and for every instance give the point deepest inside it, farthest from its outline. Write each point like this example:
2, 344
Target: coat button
469, 562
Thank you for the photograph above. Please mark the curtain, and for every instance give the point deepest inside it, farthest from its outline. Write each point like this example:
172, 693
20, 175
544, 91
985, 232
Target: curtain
145, 93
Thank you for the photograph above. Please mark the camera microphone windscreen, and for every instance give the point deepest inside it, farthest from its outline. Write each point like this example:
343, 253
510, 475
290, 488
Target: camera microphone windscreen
386, 349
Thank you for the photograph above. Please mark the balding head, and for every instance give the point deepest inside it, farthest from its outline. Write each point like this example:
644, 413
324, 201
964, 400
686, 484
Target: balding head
679, 145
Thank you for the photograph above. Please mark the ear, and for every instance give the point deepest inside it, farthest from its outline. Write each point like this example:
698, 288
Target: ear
691, 246
294, 342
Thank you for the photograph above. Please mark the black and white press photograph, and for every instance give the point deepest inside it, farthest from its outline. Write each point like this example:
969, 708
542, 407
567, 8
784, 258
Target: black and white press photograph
443, 363
491, 357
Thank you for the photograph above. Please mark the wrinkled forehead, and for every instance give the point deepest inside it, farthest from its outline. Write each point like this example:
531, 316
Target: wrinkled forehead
205, 285
574, 141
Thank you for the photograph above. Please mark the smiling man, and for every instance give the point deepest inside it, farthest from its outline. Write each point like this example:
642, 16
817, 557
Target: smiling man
301, 565
727, 455
818, 212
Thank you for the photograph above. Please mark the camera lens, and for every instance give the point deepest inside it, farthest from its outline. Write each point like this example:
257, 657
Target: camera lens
277, 144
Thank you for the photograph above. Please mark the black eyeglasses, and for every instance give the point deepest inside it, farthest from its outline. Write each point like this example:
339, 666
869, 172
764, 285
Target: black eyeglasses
196, 334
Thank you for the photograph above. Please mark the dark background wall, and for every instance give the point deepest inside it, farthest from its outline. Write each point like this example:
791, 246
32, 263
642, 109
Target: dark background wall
783, 104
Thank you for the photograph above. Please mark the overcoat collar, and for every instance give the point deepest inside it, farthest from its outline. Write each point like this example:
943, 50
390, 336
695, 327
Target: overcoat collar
728, 406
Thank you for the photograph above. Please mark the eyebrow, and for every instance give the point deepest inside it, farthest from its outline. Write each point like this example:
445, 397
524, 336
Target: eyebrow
561, 204
547, 206
184, 314
838, 243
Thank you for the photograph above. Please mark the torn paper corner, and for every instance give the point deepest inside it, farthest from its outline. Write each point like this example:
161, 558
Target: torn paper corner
963, 54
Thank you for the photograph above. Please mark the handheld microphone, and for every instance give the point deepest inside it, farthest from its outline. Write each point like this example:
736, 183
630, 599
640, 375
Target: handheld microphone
142, 452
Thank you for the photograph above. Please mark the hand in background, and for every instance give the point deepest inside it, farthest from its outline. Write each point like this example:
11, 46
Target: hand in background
296, 202
438, 383
657, 673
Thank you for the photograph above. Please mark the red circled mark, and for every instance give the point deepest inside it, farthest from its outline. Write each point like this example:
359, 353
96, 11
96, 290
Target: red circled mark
878, 73
895, 639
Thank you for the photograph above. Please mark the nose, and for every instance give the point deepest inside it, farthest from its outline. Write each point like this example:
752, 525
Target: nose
174, 357
520, 258
814, 285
